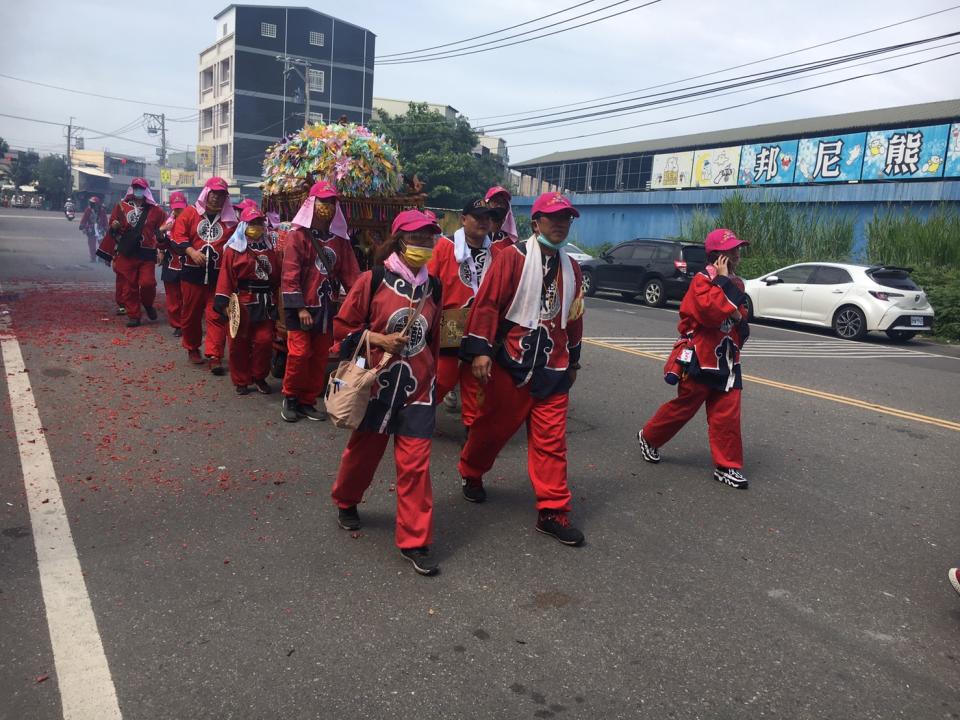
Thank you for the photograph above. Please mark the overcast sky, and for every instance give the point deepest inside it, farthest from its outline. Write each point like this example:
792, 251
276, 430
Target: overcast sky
148, 52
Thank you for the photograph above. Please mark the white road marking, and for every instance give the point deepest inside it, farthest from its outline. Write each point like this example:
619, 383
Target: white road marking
4, 216
83, 675
764, 348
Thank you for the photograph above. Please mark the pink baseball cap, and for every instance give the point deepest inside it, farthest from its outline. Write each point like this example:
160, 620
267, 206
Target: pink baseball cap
216, 184
722, 239
413, 220
140, 182
550, 203
251, 213
497, 190
323, 190
178, 200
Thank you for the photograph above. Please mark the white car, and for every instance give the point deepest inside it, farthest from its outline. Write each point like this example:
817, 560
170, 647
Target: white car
576, 253
852, 299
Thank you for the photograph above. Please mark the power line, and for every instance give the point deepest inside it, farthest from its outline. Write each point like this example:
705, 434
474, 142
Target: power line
732, 83
486, 34
44, 122
487, 48
728, 69
97, 95
743, 104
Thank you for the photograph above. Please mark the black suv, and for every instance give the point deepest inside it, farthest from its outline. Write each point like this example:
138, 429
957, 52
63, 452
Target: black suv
657, 270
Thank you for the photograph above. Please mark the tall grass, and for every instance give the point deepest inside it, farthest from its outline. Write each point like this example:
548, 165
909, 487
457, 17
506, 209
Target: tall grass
899, 237
778, 233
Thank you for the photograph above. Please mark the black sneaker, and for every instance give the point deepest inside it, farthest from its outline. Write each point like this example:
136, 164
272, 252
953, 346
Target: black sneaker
177, 332
288, 410
262, 387
133, 322
349, 518
151, 312
648, 451
473, 490
121, 310
216, 366
732, 477
241, 389
310, 412
556, 523
421, 559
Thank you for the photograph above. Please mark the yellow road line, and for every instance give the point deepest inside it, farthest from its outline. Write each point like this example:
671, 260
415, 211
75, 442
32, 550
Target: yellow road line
819, 394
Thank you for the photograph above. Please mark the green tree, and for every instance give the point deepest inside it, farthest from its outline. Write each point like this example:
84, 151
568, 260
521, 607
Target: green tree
4, 146
440, 153
25, 168
52, 178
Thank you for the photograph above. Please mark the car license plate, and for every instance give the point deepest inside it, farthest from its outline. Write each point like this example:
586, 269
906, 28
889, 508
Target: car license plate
916, 321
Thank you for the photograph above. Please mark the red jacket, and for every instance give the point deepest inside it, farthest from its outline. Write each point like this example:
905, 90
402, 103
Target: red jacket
501, 241
537, 358
717, 338
198, 231
305, 282
254, 275
402, 400
125, 214
94, 216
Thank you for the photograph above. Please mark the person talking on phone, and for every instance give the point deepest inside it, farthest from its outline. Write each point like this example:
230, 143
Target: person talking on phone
713, 318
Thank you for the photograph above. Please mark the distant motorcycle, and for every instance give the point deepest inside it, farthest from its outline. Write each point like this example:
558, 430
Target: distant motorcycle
69, 214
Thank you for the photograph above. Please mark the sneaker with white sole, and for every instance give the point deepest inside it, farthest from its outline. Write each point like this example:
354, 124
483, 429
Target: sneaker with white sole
954, 575
730, 476
421, 559
648, 451
557, 524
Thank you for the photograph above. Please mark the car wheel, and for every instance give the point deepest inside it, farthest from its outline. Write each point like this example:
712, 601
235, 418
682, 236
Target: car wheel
900, 336
589, 289
654, 293
850, 323
750, 314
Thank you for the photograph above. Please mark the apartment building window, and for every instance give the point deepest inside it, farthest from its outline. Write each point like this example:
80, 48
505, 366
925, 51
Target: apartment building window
224, 112
223, 155
206, 79
224, 30
316, 38
225, 72
268, 30
316, 80
206, 120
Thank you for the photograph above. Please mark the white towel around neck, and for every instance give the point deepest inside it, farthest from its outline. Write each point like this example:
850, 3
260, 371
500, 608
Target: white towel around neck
525, 308
461, 253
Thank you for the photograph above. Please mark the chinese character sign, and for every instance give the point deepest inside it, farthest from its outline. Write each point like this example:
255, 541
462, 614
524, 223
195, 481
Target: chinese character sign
672, 170
768, 163
716, 167
830, 159
953, 152
907, 154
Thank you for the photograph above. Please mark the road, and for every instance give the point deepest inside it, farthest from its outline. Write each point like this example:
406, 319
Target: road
196, 570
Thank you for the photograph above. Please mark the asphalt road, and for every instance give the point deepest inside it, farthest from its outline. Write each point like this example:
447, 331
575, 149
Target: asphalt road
221, 586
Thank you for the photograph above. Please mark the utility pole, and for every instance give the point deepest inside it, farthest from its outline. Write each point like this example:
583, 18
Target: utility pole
289, 65
158, 124
69, 163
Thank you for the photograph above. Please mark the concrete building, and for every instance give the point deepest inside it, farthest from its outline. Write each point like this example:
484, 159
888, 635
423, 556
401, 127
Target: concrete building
854, 163
247, 101
107, 173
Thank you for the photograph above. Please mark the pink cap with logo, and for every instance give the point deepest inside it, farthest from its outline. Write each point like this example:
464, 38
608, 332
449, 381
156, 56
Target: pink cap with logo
550, 203
721, 239
413, 220
178, 200
323, 190
251, 213
497, 190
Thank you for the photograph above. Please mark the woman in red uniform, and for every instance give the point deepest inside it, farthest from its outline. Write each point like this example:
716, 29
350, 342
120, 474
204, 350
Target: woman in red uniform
317, 260
402, 402
250, 269
713, 315
504, 231
170, 263
199, 236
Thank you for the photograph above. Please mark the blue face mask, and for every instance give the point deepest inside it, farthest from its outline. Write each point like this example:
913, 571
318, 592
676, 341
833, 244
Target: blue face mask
553, 246
139, 193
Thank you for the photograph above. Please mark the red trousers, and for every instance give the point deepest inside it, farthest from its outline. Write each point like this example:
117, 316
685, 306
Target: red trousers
195, 304
138, 283
450, 372
414, 494
250, 351
171, 291
723, 421
306, 372
507, 407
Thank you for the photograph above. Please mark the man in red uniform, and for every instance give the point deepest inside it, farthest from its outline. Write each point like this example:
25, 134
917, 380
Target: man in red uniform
713, 317
170, 263
199, 236
523, 341
504, 230
317, 260
94, 225
460, 265
131, 247
250, 269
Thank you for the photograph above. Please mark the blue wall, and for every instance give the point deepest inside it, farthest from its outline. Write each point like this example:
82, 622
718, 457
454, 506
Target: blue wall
613, 217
